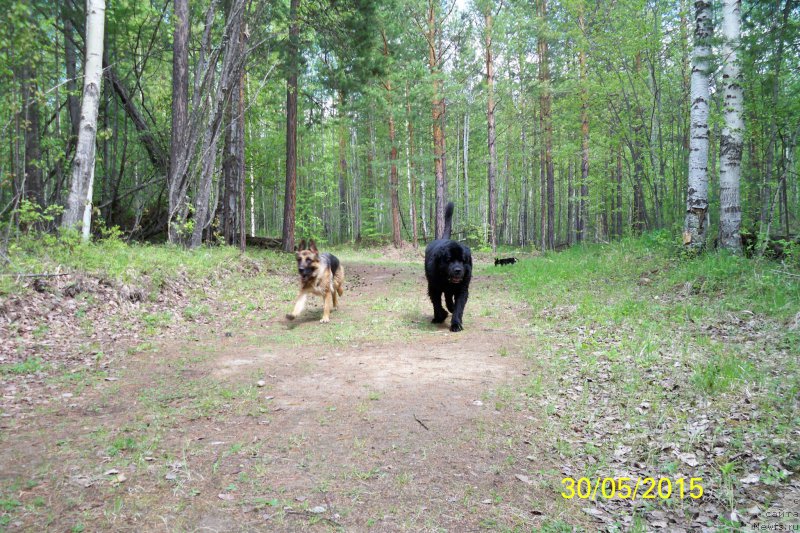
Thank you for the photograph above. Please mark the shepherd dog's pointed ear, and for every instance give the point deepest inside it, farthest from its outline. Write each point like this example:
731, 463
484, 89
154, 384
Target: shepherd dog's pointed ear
312, 246
301, 246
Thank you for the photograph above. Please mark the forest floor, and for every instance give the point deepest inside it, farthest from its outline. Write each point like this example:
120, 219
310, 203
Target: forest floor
200, 408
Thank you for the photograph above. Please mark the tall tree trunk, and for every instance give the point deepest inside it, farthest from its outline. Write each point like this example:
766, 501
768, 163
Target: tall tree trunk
240, 146
466, 167
547, 127
582, 208
618, 213
730, 163
233, 165
394, 194
343, 218
79, 203
696, 224
571, 204
769, 163
33, 150
637, 147
180, 122
491, 138
70, 60
437, 112
410, 168
523, 219
290, 196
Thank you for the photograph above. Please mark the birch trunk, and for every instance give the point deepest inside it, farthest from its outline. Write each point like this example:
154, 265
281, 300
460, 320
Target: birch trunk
696, 222
79, 203
730, 161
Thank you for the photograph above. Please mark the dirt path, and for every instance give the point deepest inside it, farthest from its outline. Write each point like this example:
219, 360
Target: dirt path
378, 421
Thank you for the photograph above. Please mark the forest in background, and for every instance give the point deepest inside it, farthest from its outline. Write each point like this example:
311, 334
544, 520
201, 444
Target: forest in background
548, 123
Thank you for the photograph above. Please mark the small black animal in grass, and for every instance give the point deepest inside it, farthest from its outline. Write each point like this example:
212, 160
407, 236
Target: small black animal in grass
505, 261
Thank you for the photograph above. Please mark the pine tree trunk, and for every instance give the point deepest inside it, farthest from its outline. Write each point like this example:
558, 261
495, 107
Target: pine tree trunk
290, 195
437, 113
411, 170
696, 224
79, 203
394, 193
730, 162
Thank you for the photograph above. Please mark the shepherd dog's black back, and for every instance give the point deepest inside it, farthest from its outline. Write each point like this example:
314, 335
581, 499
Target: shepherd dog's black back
448, 269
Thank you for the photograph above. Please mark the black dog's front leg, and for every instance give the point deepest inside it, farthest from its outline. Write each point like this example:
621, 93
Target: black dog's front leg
439, 314
448, 301
458, 313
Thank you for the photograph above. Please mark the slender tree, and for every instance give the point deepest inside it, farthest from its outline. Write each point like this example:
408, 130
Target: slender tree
290, 196
491, 168
180, 121
582, 208
730, 161
696, 223
79, 204
548, 173
433, 37
394, 195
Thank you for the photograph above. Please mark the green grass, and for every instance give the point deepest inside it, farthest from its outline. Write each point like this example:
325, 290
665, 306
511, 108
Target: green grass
28, 366
126, 263
657, 333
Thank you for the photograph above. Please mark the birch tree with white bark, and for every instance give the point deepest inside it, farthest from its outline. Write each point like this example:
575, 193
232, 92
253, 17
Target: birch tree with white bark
696, 223
730, 160
79, 203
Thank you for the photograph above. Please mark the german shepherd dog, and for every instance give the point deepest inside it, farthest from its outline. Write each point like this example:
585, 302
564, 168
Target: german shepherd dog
448, 269
320, 274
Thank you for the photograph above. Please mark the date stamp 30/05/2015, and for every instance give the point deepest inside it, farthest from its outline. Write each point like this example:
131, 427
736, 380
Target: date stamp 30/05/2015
625, 488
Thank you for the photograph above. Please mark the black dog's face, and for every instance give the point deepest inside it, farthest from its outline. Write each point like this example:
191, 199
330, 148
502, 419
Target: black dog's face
455, 272
457, 263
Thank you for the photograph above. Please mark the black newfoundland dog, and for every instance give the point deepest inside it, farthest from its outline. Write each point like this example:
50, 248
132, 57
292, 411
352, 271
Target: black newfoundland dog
448, 268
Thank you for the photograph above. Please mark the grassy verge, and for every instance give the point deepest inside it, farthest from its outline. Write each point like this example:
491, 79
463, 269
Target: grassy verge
671, 366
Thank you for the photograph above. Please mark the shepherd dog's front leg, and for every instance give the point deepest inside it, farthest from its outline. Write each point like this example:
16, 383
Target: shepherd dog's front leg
326, 308
299, 305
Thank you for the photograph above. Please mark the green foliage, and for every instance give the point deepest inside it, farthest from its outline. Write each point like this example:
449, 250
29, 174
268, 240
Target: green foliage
33, 217
113, 259
720, 372
28, 366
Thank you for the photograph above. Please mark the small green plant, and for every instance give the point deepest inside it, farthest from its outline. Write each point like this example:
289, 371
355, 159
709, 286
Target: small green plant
120, 444
28, 366
720, 372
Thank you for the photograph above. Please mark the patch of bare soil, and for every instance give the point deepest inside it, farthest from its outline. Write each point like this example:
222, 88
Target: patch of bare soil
292, 427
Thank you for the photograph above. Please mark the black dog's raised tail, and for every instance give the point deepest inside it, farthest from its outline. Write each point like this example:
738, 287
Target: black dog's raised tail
448, 220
